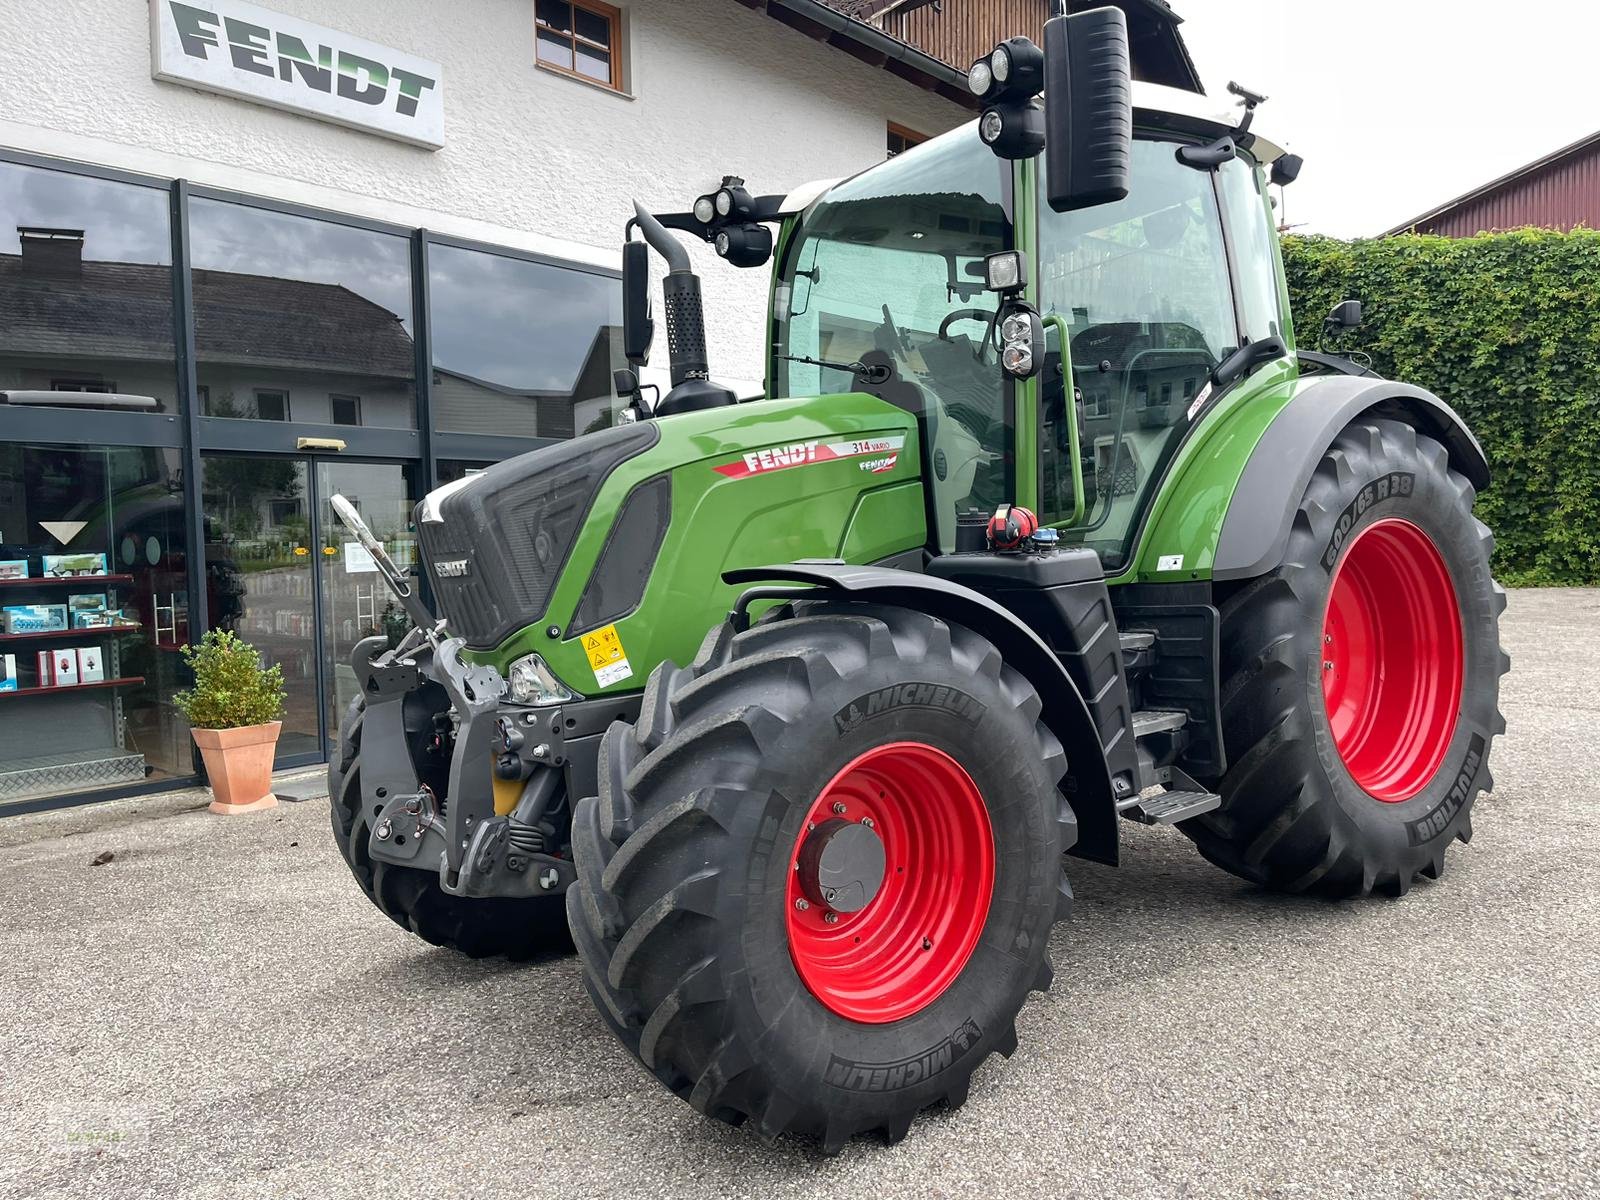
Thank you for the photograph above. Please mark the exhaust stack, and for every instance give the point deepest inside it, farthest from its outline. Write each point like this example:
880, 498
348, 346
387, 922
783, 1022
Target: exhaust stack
686, 325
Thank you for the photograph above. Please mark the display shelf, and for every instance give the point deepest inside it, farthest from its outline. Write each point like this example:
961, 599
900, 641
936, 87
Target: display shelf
88, 631
61, 581
127, 681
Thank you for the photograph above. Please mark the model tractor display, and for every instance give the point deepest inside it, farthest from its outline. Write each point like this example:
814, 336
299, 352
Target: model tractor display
791, 708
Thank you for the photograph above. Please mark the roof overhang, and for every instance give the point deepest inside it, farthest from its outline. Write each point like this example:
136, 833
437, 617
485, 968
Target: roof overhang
1158, 52
1590, 142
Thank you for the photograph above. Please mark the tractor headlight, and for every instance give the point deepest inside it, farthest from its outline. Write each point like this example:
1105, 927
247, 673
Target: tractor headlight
724, 243
991, 126
1003, 272
981, 78
1017, 328
724, 202
1000, 64
532, 682
705, 210
1017, 358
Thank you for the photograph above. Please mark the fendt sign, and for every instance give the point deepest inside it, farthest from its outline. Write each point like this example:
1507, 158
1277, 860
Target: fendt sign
241, 50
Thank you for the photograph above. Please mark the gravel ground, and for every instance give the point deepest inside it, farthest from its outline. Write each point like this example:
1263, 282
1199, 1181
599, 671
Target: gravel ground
221, 999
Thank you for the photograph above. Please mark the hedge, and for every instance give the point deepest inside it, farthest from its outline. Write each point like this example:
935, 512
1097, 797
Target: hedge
1506, 328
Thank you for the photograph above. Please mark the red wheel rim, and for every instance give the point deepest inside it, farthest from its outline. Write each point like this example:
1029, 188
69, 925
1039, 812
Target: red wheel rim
899, 953
1392, 660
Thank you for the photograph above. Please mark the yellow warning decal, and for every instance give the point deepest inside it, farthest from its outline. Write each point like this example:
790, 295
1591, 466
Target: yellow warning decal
607, 659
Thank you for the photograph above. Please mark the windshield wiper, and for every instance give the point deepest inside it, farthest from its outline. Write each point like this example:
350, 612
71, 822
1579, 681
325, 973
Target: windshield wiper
876, 373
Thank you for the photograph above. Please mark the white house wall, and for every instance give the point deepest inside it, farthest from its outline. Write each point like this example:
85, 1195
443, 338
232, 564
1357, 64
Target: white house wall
532, 159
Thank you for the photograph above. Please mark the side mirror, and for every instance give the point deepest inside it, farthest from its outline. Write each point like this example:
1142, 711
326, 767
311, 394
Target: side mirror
1088, 109
1345, 315
638, 329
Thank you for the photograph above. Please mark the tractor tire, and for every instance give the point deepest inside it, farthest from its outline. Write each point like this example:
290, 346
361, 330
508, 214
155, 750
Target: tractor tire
517, 929
747, 985
1360, 680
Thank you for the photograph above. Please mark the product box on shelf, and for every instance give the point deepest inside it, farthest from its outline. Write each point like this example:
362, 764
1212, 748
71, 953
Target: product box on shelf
91, 664
67, 566
58, 668
34, 618
8, 673
13, 568
87, 602
105, 618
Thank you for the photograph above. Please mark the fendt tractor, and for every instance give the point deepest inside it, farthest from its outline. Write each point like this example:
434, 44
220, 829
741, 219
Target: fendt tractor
1044, 523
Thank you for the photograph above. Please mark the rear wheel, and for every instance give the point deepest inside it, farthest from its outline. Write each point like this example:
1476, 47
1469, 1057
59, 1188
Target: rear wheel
1360, 679
413, 899
819, 879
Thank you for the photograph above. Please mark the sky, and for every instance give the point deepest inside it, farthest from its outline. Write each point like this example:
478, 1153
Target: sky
1398, 106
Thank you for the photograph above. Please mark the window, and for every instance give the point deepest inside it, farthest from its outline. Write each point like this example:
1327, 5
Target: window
288, 303
1143, 287
346, 409
118, 623
580, 38
902, 139
272, 406
85, 286
97, 387
1255, 246
892, 258
498, 370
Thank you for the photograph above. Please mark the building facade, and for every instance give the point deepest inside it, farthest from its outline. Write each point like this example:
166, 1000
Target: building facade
1560, 191
251, 258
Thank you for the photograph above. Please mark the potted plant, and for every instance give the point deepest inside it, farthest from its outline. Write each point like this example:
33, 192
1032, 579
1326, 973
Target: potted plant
233, 711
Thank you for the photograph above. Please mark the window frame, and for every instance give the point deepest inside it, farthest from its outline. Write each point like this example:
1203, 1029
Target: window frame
906, 134
611, 15
333, 399
283, 393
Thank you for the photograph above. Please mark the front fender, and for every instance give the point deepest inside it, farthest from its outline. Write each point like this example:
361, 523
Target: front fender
1088, 781
1255, 533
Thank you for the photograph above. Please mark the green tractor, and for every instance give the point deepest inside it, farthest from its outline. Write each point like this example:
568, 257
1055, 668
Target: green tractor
1045, 524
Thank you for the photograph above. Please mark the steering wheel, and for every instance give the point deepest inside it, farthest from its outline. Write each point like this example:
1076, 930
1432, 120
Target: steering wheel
963, 314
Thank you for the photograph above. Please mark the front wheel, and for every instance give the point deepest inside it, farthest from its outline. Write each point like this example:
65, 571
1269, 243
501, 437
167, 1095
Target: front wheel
1361, 678
818, 882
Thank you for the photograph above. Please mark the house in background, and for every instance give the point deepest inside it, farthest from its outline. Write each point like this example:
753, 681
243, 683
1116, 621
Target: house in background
1560, 191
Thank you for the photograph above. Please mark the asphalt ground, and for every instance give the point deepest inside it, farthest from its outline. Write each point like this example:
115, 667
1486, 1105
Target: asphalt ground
218, 1012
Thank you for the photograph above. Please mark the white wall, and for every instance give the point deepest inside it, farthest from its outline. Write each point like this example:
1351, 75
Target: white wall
530, 155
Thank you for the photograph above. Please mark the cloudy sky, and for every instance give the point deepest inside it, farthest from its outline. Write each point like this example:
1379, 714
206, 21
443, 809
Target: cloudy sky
1400, 105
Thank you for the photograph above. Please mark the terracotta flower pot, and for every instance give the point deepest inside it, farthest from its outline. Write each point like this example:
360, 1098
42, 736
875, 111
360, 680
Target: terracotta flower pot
239, 765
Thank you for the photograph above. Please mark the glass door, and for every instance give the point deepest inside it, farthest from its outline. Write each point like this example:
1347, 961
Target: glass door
356, 603
261, 577
284, 575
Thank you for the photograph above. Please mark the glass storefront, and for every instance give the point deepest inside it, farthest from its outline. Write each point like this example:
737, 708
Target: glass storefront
195, 491
94, 609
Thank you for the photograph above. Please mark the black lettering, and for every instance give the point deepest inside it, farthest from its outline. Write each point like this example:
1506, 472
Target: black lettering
247, 44
294, 56
351, 86
411, 87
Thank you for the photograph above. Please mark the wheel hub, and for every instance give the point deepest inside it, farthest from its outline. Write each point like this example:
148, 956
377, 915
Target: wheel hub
1392, 659
841, 865
892, 876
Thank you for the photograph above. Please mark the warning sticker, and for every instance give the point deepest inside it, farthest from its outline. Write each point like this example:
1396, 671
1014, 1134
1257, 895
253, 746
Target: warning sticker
607, 658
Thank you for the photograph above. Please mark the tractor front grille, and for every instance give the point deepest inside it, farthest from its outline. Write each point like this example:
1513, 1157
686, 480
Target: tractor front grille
499, 542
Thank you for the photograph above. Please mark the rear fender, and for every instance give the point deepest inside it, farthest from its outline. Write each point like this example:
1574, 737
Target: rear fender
1088, 781
1255, 532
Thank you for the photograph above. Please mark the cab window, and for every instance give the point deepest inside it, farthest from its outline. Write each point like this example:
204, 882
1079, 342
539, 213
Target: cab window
1144, 290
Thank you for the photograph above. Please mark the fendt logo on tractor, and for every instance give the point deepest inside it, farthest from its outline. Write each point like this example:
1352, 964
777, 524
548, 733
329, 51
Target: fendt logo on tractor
843, 828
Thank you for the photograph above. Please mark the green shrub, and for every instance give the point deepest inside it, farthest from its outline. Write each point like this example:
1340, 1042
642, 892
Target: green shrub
1506, 329
231, 688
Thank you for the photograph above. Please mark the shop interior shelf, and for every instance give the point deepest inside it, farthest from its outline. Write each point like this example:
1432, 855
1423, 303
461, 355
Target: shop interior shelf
73, 687
72, 580
94, 631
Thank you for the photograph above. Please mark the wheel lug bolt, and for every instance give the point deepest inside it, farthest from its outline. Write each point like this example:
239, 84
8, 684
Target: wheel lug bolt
1326, 665
838, 806
802, 904
832, 918
867, 821
810, 825
927, 943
